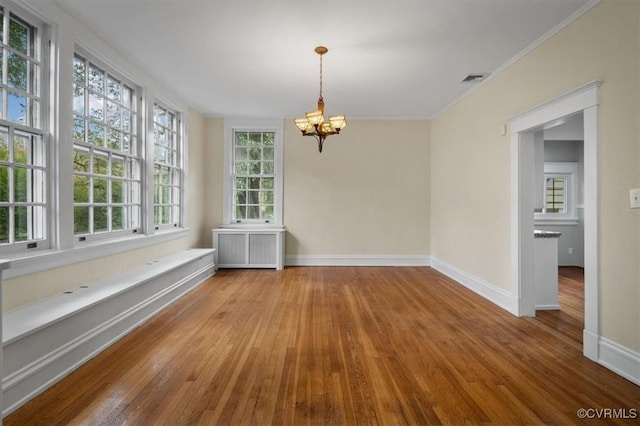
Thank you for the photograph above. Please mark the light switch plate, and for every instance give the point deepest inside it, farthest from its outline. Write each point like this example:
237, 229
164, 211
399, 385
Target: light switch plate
634, 195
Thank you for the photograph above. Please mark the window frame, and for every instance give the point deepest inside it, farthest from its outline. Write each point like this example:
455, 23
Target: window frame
56, 86
37, 91
130, 180
231, 126
569, 172
179, 166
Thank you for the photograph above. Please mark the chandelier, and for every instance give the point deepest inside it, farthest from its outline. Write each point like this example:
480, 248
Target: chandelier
314, 124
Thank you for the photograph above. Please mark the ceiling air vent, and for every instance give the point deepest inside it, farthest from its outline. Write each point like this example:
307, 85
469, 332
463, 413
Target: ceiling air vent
475, 78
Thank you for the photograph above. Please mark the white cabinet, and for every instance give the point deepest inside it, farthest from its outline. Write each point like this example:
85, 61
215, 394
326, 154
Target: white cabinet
249, 247
545, 270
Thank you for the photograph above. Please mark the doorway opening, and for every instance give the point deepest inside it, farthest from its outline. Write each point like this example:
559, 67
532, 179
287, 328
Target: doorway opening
524, 128
559, 211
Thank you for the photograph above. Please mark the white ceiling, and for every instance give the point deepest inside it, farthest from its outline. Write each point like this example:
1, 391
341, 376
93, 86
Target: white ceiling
387, 58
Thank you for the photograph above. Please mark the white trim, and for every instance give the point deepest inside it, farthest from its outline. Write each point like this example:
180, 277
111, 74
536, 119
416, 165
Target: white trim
4, 264
524, 52
547, 307
590, 345
137, 132
254, 226
585, 100
276, 125
180, 164
49, 259
358, 260
569, 103
591, 228
620, 360
495, 295
522, 225
560, 222
41, 91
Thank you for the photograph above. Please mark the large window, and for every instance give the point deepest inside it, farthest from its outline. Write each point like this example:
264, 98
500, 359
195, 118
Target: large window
253, 185
254, 175
23, 146
167, 169
89, 164
107, 162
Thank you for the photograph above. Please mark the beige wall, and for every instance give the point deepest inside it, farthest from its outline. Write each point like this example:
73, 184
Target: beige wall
470, 160
367, 193
196, 183
214, 152
27, 289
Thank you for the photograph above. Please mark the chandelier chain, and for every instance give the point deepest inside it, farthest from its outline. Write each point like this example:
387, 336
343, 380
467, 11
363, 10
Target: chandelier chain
320, 76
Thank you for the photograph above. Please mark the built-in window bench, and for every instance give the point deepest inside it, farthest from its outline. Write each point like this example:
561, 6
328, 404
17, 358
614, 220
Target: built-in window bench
45, 341
4, 264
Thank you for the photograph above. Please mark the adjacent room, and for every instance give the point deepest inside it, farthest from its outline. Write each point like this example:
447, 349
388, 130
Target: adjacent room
354, 212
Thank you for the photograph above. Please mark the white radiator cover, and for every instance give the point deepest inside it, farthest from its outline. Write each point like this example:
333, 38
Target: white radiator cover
249, 247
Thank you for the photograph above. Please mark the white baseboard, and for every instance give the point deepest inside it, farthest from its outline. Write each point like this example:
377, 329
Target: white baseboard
36, 359
615, 357
620, 360
547, 307
496, 295
358, 260
590, 345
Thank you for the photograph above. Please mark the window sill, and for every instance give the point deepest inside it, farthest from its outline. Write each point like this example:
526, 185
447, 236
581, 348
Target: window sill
4, 264
252, 226
558, 222
43, 260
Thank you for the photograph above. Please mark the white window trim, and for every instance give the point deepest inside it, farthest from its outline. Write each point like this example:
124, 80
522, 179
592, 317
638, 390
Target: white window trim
140, 99
65, 249
231, 125
570, 217
47, 75
182, 163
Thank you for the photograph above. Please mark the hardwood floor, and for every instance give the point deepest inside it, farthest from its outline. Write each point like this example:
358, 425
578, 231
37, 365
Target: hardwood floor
334, 345
568, 322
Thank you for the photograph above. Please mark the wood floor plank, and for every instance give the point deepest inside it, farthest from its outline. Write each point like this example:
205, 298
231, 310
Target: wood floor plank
568, 322
344, 346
